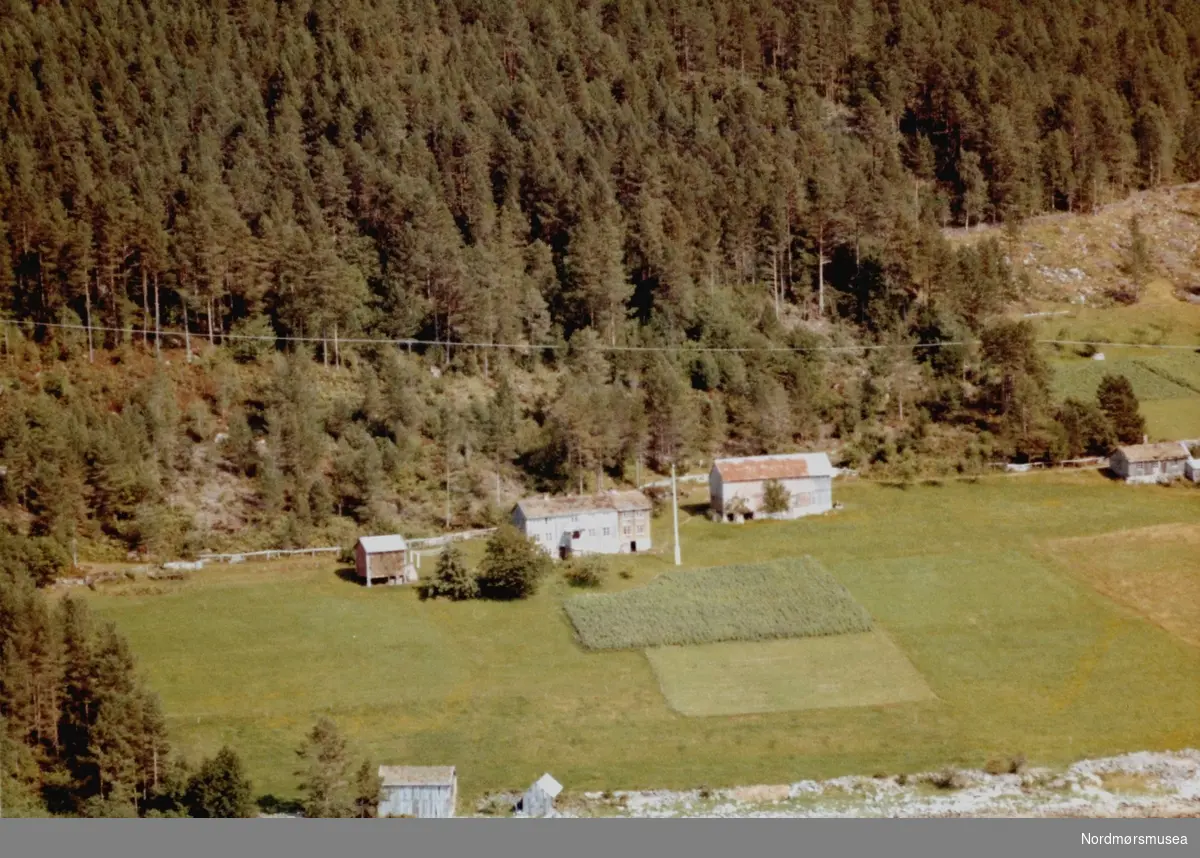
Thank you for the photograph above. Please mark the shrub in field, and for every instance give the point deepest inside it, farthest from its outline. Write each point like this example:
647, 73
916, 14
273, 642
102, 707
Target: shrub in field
783, 599
775, 497
512, 565
451, 579
584, 571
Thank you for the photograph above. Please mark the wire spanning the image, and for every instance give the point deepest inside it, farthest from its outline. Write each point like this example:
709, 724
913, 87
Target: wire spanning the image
532, 347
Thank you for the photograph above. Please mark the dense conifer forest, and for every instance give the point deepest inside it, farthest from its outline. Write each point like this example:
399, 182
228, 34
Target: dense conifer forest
649, 222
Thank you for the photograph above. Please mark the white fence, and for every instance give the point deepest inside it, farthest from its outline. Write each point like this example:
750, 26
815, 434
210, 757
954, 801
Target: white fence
271, 554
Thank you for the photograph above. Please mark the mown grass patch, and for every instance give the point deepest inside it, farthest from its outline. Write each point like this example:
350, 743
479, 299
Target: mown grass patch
790, 598
1152, 570
1153, 378
736, 678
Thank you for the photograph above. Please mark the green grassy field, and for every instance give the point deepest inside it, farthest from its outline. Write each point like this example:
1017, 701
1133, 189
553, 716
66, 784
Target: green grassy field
786, 599
736, 678
1021, 655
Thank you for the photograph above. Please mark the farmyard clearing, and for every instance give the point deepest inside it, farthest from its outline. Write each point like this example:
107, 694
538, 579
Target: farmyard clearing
1022, 656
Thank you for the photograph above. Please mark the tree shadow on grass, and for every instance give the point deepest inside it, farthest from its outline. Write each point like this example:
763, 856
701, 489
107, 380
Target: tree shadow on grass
273, 804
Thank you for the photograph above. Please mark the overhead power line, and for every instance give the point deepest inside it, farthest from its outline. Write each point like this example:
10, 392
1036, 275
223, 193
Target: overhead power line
527, 347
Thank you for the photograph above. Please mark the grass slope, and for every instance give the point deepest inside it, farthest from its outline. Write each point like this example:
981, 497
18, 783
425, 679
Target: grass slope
1021, 655
864, 669
786, 599
1153, 570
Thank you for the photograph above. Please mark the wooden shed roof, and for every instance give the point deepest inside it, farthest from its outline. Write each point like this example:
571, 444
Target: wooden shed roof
417, 775
544, 506
786, 466
1167, 451
382, 544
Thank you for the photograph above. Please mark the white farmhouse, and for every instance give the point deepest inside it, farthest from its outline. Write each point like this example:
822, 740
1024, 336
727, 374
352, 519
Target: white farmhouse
607, 523
736, 486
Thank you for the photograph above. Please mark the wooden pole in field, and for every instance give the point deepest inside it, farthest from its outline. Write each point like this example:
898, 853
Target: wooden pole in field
675, 512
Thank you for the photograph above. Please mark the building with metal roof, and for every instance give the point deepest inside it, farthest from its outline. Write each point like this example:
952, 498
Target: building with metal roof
384, 557
1150, 463
539, 798
418, 791
612, 522
738, 486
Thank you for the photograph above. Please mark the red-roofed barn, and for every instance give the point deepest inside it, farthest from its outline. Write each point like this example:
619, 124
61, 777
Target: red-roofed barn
737, 486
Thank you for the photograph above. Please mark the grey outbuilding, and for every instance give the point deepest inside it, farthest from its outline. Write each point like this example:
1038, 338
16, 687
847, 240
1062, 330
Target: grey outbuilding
539, 798
424, 792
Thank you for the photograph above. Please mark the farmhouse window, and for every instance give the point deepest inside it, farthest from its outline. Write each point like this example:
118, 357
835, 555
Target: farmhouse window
608, 531
628, 530
591, 531
641, 529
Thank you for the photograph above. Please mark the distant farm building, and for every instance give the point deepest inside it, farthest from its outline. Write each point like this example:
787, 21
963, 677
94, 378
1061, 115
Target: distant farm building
610, 522
384, 557
1192, 470
539, 798
425, 792
737, 486
1150, 463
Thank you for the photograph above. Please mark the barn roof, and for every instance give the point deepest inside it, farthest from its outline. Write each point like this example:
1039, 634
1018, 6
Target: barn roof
548, 785
417, 775
1167, 451
544, 506
382, 544
786, 466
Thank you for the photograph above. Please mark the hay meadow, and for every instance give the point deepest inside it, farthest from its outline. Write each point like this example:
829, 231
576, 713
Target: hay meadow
970, 581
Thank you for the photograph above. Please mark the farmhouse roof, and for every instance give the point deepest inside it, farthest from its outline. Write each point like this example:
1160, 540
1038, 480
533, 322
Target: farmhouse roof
417, 775
786, 466
544, 506
382, 544
1166, 451
548, 785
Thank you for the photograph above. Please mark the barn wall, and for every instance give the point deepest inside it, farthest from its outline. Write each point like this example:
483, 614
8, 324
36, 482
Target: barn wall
809, 495
424, 802
388, 564
716, 498
360, 560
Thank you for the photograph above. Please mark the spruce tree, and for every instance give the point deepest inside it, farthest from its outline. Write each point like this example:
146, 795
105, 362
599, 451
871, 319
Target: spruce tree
220, 788
451, 579
324, 771
1117, 400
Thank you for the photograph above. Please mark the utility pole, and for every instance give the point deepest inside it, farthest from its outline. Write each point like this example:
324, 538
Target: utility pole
675, 512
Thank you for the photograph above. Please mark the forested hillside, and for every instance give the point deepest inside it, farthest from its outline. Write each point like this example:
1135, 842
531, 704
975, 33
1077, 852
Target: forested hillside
691, 195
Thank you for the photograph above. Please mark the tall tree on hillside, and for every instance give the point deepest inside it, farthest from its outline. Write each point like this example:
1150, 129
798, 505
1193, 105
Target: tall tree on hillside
325, 773
1117, 400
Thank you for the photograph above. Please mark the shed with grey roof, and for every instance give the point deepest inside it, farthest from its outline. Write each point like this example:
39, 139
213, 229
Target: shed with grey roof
425, 792
1150, 463
539, 798
384, 558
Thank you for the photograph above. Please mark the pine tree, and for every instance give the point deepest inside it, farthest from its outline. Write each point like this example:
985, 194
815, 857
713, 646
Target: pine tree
220, 788
1117, 400
325, 772
368, 786
451, 579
